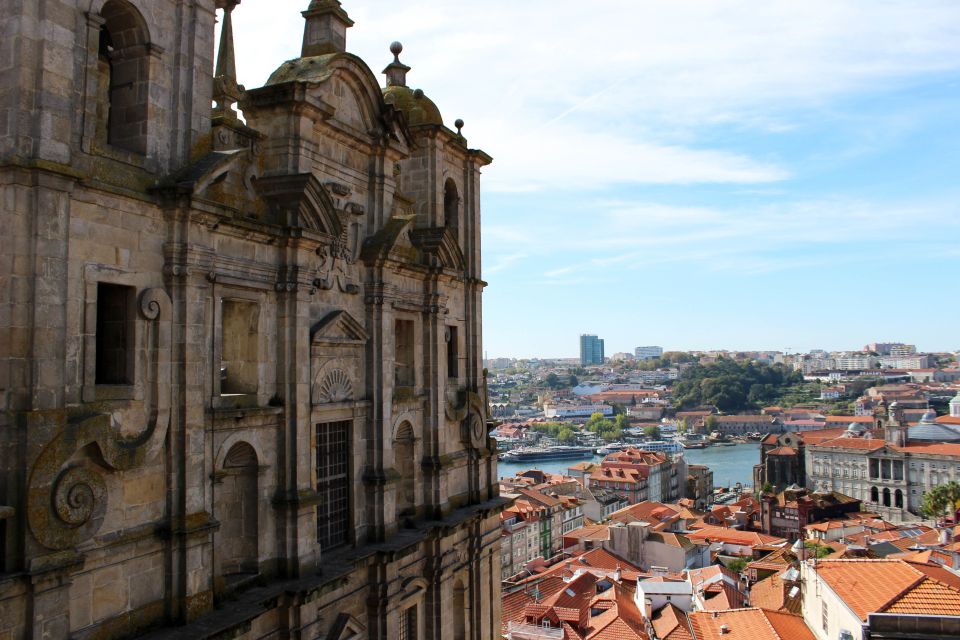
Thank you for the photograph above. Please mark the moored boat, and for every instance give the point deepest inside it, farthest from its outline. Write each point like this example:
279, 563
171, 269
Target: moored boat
525, 454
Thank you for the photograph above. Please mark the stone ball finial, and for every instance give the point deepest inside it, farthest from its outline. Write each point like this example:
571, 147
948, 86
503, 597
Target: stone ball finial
396, 48
458, 123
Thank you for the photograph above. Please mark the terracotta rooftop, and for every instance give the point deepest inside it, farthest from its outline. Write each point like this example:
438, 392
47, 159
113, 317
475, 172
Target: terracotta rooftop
670, 623
782, 451
732, 536
874, 586
772, 594
748, 624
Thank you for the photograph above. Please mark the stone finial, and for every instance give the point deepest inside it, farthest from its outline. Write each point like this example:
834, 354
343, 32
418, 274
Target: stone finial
226, 91
325, 30
458, 123
396, 71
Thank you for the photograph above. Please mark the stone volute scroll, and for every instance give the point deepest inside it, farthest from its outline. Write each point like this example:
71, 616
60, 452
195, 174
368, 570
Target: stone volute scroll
67, 495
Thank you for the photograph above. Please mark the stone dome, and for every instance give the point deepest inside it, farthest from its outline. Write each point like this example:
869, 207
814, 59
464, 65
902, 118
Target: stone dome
415, 105
855, 430
306, 69
929, 430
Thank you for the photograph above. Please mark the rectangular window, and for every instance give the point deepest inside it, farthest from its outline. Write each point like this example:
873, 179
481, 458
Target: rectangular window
826, 615
403, 356
239, 347
453, 356
885, 473
333, 510
898, 469
408, 623
114, 339
874, 468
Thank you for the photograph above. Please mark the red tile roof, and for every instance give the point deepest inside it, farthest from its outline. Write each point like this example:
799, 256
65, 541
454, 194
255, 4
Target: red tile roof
748, 624
875, 586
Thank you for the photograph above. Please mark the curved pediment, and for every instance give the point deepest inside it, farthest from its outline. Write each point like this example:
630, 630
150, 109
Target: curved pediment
300, 201
440, 247
347, 87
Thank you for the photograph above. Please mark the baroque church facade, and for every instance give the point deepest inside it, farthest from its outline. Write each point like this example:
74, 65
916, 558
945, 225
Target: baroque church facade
240, 358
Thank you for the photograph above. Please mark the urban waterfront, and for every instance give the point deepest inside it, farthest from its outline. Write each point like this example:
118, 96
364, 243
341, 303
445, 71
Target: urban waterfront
729, 464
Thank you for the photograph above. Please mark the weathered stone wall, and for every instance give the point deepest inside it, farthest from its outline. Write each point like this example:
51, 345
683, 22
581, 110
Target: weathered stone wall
264, 285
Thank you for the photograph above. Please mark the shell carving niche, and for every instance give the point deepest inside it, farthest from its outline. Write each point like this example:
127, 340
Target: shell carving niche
335, 387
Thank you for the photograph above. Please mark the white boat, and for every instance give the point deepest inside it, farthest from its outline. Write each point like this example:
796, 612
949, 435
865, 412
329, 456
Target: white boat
613, 447
662, 446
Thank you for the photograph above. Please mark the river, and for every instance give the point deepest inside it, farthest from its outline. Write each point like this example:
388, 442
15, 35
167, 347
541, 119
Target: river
729, 464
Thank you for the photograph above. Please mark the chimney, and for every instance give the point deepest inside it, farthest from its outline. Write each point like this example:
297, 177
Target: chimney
724, 629
325, 30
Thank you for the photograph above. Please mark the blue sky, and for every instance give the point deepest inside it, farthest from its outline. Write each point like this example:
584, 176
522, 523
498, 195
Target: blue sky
709, 174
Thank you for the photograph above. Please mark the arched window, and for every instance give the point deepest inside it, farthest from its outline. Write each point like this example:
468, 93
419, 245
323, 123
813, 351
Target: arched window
898, 499
124, 66
237, 507
886, 497
874, 495
404, 446
451, 204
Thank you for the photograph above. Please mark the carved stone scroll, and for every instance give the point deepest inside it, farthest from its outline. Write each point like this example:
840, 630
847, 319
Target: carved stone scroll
67, 495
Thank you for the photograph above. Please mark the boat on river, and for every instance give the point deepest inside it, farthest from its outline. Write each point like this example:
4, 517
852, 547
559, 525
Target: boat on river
535, 454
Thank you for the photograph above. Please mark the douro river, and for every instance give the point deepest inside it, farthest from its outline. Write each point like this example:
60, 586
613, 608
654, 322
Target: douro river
729, 464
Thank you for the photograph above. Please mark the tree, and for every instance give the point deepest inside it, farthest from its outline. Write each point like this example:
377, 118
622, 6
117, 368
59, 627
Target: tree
766, 488
652, 432
622, 421
565, 435
574, 381
941, 500
737, 565
710, 424
817, 550
553, 381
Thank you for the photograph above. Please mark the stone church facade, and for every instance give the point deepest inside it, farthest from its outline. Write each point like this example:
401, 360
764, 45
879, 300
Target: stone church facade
240, 359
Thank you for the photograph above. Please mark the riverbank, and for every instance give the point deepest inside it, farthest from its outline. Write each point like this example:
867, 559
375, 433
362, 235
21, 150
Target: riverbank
729, 464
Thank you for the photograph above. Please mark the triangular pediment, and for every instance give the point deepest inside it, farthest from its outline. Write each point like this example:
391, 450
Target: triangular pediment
338, 327
346, 627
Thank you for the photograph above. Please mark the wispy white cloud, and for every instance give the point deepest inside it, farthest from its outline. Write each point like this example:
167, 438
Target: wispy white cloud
567, 96
797, 235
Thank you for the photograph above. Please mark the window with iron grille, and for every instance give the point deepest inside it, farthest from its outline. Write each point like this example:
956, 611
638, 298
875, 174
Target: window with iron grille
333, 508
408, 623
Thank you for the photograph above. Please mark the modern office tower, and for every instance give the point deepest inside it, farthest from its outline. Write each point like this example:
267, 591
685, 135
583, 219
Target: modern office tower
591, 349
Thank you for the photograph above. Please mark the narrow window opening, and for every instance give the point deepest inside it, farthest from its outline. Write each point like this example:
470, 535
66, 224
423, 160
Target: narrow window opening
114, 339
333, 513
451, 204
239, 347
404, 353
459, 611
403, 448
408, 623
124, 76
453, 355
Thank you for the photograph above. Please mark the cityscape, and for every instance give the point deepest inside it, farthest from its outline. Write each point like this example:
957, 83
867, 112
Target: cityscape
269, 370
